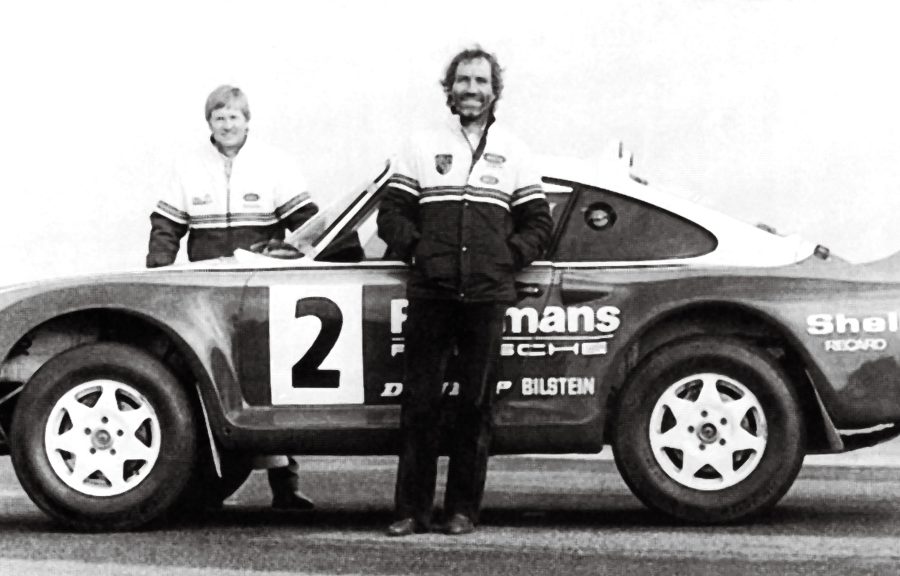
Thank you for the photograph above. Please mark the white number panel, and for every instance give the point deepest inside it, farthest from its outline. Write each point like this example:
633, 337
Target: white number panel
315, 339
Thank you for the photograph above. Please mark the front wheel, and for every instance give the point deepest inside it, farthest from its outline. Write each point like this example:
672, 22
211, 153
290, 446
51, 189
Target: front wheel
103, 438
708, 430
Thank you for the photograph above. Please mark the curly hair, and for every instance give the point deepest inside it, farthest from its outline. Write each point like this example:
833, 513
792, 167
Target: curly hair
465, 56
226, 95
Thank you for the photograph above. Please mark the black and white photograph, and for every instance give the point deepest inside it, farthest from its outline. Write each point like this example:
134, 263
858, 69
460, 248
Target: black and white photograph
475, 287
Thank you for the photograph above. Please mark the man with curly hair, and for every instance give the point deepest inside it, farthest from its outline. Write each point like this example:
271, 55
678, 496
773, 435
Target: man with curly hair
466, 211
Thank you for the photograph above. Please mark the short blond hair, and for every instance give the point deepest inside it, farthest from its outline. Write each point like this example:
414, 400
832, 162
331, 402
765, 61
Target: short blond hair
226, 95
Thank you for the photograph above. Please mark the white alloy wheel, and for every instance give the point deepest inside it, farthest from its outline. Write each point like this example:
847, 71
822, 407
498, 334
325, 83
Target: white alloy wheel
102, 438
708, 431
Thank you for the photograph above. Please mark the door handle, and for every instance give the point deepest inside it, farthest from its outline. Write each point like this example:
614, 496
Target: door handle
526, 290
577, 286
578, 294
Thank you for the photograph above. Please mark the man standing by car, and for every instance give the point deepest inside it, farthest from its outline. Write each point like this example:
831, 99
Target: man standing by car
224, 202
465, 210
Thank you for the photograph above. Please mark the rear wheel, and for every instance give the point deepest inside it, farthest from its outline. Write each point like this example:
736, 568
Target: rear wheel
103, 438
709, 430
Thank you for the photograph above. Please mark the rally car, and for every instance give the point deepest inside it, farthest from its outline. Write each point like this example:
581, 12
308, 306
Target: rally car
711, 354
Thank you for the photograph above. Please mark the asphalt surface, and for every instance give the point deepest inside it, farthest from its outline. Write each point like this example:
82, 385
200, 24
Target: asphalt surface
542, 516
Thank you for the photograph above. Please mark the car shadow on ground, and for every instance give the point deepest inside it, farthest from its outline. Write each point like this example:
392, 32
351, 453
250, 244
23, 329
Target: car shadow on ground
794, 519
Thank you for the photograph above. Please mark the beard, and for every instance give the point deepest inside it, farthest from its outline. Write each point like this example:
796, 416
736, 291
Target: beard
468, 113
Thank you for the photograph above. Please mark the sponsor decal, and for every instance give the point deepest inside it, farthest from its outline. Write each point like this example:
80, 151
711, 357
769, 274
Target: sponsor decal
831, 324
824, 324
559, 386
198, 201
528, 332
856, 345
489, 180
443, 163
395, 389
494, 158
538, 341
559, 320
251, 197
548, 387
550, 349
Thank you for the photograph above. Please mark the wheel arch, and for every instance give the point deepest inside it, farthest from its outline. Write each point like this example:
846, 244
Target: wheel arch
728, 319
57, 334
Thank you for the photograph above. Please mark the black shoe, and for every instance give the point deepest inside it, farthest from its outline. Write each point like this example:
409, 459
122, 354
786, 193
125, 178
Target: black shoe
459, 524
405, 527
292, 501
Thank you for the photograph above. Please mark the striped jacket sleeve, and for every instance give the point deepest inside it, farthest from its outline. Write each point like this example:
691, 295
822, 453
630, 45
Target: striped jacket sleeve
398, 213
531, 215
165, 238
169, 222
294, 204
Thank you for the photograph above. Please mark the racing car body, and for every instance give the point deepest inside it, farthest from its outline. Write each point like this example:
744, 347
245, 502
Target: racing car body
711, 354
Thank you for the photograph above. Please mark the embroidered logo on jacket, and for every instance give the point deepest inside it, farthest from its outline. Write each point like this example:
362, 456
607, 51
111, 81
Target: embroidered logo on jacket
489, 180
198, 201
443, 163
494, 159
251, 197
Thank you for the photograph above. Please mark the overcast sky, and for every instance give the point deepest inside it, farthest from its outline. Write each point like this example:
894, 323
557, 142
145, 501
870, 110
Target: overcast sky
779, 111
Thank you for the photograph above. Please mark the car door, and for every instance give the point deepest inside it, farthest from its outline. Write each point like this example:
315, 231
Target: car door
331, 326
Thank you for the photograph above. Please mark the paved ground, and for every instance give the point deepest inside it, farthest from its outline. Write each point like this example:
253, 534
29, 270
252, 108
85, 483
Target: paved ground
542, 516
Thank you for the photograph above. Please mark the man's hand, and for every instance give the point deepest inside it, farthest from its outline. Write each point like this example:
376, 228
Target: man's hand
276, 249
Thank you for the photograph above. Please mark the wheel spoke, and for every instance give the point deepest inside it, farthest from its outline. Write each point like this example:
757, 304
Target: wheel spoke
737, 409
78, 413
709, 392
721, 461
681, 409
133, 419
133, 449
107, 404
691, 463
72, 441
112, 468
84, 466
743, 440
676, 437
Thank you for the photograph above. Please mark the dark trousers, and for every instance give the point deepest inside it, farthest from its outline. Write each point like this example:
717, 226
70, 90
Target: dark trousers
432, 328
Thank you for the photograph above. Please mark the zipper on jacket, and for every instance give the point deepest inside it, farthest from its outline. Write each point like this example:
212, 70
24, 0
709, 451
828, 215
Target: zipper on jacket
229, 166
477, 152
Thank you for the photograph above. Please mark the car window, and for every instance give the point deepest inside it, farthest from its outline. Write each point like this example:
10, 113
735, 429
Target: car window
604, 226
557, 196
359, 241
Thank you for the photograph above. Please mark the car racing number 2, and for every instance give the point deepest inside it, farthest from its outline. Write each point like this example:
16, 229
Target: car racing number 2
315, 335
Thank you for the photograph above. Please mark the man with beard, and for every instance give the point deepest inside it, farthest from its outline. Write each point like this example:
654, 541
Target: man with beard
466, 211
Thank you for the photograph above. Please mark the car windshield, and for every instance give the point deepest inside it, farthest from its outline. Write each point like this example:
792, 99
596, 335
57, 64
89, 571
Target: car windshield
317, 227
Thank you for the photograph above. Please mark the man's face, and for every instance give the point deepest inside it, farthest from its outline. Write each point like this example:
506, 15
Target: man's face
229, 127
473, 91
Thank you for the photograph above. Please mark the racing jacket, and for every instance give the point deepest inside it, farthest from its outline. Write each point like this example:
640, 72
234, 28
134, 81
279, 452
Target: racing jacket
227, 203
466, 220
